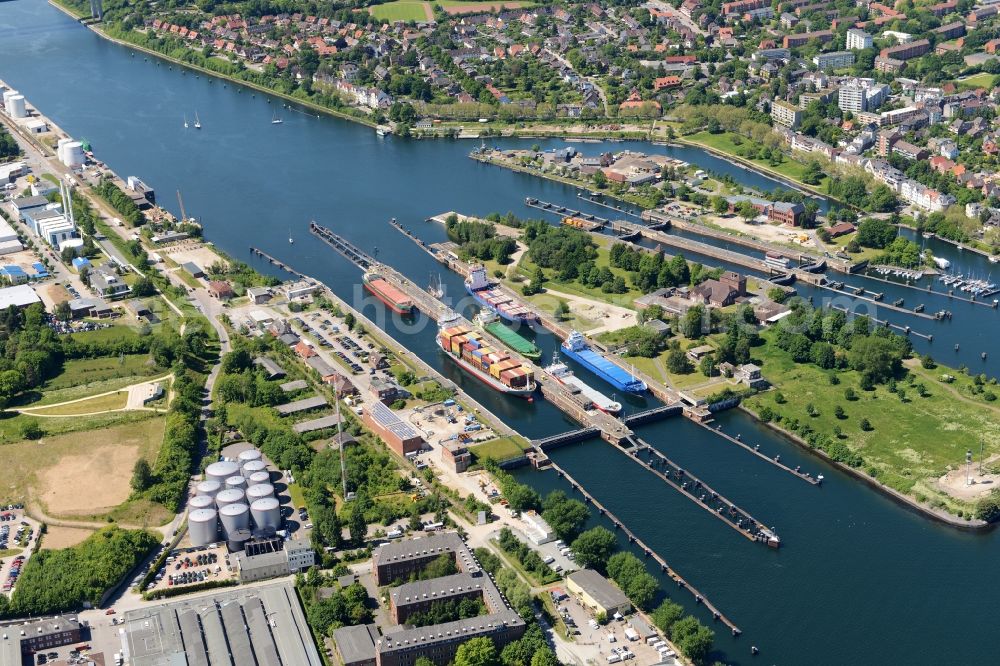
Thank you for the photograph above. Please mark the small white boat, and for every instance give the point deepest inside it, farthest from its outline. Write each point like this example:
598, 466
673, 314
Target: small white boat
290, 239
185, 121
197, 121
275, 120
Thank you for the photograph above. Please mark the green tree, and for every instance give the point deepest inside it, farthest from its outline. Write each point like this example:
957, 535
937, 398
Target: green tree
720, 205
350, 321
561, 311
477, 652
566, 516
666, 614
692, 638
358, 526
593, 547
142, 475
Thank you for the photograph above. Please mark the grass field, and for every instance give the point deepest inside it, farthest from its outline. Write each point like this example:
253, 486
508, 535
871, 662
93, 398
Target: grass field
295, 492
400, 10
102, 403
912, 443
501, 448
980, 80
723, 142
80, 475
12, 424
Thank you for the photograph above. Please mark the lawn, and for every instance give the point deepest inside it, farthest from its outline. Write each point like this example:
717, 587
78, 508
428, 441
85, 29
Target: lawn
723, 142
526, 267
106, 334
84, 474
980, 80
12, 425
295, 492
400, 10
501, 448
87, 371
912, 443
102, 403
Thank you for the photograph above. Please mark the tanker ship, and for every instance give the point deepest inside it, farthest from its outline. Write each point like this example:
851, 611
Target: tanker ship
388, 294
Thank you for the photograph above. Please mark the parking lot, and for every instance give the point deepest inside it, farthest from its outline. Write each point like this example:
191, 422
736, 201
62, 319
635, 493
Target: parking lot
190, 566
609, 640
18, 534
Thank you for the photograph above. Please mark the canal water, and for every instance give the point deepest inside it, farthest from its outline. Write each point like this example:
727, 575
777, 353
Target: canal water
858, 579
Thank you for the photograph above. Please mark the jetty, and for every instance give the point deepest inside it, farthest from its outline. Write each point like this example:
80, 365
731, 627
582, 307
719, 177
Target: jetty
618, 209
563, 211
700, 493
647, 551
257, 252
755, 450
885, 322
876, 298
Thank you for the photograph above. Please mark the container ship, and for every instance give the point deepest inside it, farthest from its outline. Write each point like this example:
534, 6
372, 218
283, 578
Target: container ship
576, 348
489, 296
565, 376
493, 367
490, 322
388, 294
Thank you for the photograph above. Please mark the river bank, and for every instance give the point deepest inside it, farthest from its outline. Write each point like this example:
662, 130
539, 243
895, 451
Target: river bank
742, 162
902, 499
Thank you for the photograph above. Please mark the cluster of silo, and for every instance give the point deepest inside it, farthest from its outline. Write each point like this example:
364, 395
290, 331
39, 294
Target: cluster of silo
70, 153
240, 495
14, 104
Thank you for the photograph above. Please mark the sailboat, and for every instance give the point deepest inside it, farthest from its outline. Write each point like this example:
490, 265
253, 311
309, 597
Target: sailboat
275, 120
197, 122
290, 239
185, 121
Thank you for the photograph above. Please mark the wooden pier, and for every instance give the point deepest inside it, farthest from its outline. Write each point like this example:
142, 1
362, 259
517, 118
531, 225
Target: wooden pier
649, 552
256, 252
928, 289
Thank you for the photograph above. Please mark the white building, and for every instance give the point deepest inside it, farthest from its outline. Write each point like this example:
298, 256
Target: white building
783, 113
901, 37
20, 296
834, 59
858, 40
537, 529
861, 95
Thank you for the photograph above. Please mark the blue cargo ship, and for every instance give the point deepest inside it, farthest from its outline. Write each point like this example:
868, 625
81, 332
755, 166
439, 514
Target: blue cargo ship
576, 348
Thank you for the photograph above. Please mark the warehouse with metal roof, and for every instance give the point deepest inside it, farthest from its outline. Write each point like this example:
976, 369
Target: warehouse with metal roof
252, 626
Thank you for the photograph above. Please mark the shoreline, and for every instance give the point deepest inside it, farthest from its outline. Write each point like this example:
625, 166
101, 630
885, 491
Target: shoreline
949, 519
742, 162
961, 247
208, 72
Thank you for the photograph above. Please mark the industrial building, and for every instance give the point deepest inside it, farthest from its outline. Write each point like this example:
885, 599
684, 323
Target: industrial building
20, 296
302, 405
269, 558
538, 531
20, 641
398, 435
259, 626
438, 642
398, 559
598, 593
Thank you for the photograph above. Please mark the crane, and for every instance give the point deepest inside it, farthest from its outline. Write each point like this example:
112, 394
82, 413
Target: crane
180, 200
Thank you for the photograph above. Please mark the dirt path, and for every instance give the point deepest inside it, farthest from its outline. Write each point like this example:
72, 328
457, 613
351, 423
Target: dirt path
136, 392
428, 11
612, 316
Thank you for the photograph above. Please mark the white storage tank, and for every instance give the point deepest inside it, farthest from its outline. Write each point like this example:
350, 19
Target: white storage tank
234, 517
72, 155
259, 491
203, 526
247, 456
258, 478
16, 106
254, 466
229, 496
201, 502
266, 513
222, 470
237, 481
7, 94
209, 487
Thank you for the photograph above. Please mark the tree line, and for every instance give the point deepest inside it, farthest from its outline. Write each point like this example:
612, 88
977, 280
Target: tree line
121, 202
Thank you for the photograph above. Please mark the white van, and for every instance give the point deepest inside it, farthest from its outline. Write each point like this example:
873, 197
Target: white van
613, 658
395, 534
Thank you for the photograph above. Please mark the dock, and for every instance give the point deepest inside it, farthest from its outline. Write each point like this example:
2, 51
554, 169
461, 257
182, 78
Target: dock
257, 252
610, 428
617, 209
649, 552
563, 211
859, 293
755, 450
688, 485
885, 322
